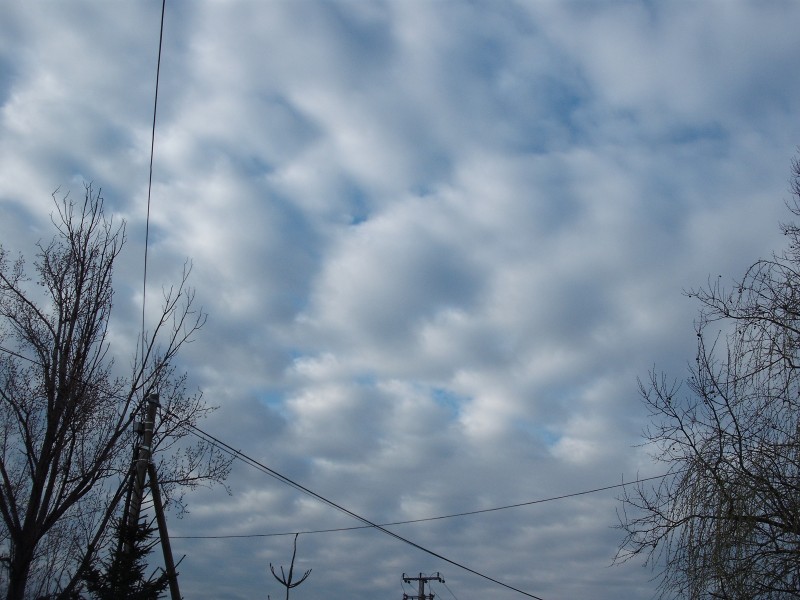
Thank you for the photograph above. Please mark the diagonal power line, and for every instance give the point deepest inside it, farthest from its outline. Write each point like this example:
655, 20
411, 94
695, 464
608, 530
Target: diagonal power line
272, 473
367, 524
427, 519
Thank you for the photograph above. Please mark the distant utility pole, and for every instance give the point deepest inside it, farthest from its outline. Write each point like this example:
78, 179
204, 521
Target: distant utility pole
422, 579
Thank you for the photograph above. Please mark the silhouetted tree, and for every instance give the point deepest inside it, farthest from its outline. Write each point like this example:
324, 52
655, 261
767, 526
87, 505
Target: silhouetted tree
725, 523
65, 416
287, 581
123, 575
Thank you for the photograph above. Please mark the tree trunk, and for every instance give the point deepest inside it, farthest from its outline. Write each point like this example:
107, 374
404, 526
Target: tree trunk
19, 568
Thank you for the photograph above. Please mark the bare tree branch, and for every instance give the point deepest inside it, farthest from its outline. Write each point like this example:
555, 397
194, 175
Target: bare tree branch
65, 418
726, 522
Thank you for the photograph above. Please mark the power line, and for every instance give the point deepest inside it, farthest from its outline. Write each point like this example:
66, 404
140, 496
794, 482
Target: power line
150, 178
449, 590
216, 442
426, 519
239, 455
18, 355
264, 468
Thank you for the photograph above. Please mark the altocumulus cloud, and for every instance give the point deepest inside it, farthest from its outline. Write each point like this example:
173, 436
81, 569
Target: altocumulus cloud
438, 242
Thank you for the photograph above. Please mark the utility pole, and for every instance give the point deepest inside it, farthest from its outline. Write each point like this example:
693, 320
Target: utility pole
142, 459
143, 467
422, 579
163, 534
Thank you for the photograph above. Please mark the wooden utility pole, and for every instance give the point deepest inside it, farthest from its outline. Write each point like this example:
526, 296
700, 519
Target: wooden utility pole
422, 579
163, 534
144, 467
142, 459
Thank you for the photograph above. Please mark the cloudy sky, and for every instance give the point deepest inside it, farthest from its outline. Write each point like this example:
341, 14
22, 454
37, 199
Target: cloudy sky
438, 242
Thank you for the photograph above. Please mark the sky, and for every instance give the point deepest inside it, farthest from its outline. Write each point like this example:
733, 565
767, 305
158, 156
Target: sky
438, 242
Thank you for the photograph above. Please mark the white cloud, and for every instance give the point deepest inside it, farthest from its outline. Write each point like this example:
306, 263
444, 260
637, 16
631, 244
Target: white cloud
438, 242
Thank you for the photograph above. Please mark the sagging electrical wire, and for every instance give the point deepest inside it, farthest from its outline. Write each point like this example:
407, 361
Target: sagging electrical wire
426, 519
449, 590
219, 444
237, 454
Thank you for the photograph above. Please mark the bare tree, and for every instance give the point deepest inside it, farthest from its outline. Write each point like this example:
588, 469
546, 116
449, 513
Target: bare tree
66, 416
725, 523
288, 581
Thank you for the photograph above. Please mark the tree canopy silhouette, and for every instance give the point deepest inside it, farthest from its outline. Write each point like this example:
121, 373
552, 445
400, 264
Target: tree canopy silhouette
66, 412
725, 523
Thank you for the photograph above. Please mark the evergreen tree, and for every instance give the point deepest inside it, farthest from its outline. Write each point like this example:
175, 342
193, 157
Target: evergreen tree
122, 575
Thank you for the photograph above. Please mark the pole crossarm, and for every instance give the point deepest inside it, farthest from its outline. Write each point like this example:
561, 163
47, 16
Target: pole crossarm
422, 580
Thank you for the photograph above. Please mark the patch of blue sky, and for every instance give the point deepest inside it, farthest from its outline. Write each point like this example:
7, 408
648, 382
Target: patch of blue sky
362, 34
433, 174
487, 55
24, 228
273, 398
15, 206
298, 233
366, 380
295, 298
563, 99
8, 76
288, 126
357, 205
367, 29
423, 190
449, 399
70, 169
713, 133
443, 280
546, 435
696, 148
559, 209
275, 401
295, 354
255, 166
156, 234
543, 112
